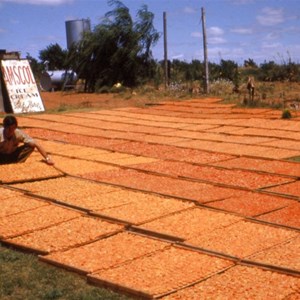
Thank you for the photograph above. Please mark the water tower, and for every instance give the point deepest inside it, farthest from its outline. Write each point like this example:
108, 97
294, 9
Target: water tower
75, 29
61, 79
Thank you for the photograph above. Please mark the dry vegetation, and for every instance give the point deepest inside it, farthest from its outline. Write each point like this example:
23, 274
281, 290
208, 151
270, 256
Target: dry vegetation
278, 95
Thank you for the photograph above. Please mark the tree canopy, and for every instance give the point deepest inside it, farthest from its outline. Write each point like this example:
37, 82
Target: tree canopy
117, 50
54, 56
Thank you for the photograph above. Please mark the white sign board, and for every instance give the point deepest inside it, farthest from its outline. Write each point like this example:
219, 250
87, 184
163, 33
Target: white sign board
21, 87
1, 99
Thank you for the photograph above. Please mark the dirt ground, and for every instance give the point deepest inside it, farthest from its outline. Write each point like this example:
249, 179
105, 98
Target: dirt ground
61, 100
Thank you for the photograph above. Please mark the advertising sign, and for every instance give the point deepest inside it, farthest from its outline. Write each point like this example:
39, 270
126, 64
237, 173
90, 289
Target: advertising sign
1, 98
21, 87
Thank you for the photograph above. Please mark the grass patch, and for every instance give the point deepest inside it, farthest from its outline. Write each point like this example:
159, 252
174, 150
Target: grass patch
294, 159
23, 276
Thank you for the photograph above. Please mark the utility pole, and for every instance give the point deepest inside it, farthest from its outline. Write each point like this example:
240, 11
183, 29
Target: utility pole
206, 84
165, 50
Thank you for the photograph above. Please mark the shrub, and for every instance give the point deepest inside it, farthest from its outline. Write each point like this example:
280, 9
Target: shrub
117, 89
286, 114
221, 87
103, 89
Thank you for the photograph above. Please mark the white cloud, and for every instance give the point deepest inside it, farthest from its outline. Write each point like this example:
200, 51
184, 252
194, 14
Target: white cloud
242, 30
217, 53
178, 56
39, 2
215, 31
272, 36
216, 40
271, 46
278, 52
242, 2
270, 17
189, 10
214, 35
236, 54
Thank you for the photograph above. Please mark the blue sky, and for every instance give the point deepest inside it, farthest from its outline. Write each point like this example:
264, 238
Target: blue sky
263, 30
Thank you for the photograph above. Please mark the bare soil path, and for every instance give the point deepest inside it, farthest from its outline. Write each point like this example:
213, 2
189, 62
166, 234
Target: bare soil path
55, 100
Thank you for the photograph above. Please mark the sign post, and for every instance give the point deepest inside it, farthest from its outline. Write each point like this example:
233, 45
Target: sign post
20, 86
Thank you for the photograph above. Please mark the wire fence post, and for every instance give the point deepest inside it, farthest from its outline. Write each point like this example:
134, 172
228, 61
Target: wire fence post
165, 51
206, 83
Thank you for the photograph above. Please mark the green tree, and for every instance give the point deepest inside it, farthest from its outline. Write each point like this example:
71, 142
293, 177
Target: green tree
250, 63
182, 71
214, 71
36, 67
292, 71
270, 71
196, 70
228, 69
147, 36
118, 49
54, 57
